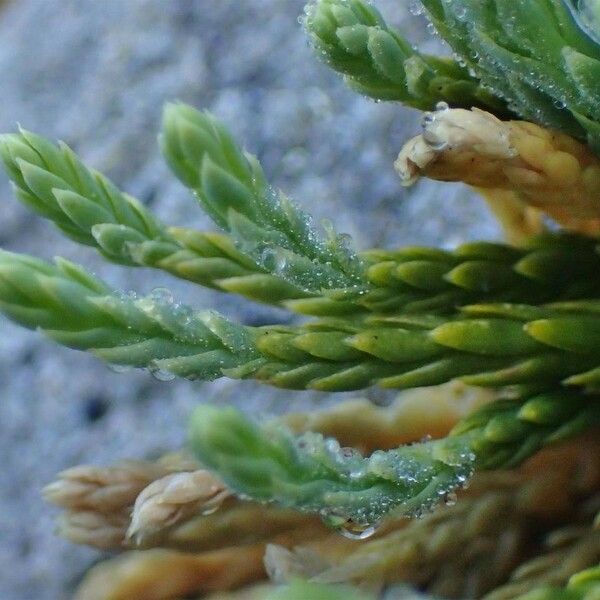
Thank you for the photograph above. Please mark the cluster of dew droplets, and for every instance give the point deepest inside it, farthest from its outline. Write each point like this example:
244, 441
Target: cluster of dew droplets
401, 475
117, 299
157, 305
293, 249
416, 9
326, 455
159, 308
349, 528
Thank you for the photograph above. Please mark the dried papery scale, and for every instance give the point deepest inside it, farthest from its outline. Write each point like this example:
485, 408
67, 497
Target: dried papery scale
97, 501
568, 550
180, 516
163, 574
259, 591
553, 488
545, 169
173, 499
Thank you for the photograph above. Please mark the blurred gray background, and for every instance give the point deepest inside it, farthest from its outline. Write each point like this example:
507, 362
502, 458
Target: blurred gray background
95, 74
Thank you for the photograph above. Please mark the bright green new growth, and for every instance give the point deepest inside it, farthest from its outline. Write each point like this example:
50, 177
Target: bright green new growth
266, 462
506, 432
84, 204
507, 63
91, 210
77, 310
352, 37
392, 350
311, 473
266, 225
266, 265
301, 590
584, 585
420, 279
490, 345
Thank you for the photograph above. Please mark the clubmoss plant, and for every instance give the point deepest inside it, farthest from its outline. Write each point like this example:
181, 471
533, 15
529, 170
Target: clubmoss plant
516, 114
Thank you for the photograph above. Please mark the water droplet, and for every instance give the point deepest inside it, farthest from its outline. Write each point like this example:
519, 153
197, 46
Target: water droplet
349, 452
268, 259
427, 120
356, 472
280, 263
415, 8
162, 294
460, 13
332, 446
450, 498
349, 528
161, 374
431, 29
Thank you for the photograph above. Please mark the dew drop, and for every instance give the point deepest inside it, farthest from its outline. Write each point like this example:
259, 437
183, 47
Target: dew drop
161, 374
450, 499
349, 528
349, 452
162, 294
427, 120
459, 59
431, 138
431, 29
268, 259
357, 472
415, 8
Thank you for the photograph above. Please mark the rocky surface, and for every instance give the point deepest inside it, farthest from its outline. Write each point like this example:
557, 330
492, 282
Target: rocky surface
95, 73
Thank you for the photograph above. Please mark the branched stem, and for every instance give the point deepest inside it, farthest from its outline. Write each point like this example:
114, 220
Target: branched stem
489, 345
312, 473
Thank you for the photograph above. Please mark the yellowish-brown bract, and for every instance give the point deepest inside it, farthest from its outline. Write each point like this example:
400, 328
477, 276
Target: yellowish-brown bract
540, 168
